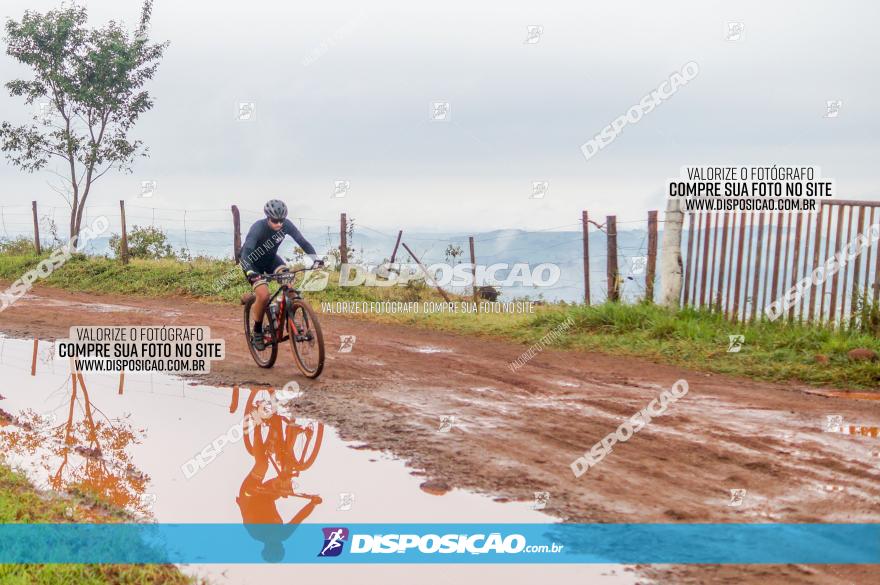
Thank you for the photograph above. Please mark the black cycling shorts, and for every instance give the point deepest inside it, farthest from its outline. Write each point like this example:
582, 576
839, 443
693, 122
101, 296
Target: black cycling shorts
270, 267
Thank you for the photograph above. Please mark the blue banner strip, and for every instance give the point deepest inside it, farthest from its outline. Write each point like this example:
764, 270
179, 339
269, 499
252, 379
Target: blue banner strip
441, 543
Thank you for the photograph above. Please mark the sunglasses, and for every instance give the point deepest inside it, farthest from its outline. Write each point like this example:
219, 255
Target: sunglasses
276, 221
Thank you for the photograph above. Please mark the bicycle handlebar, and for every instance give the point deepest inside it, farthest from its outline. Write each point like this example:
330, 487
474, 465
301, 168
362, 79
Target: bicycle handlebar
287, 274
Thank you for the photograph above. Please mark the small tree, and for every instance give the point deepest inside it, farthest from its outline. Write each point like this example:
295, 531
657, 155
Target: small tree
92, 82
453, 251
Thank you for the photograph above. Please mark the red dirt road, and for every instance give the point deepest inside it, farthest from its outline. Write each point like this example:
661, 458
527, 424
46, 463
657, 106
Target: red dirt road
515, 434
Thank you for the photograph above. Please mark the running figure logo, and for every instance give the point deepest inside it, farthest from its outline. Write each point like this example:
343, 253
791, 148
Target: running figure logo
334, 539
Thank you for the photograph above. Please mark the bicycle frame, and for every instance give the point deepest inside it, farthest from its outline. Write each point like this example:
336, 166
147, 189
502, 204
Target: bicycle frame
284, 279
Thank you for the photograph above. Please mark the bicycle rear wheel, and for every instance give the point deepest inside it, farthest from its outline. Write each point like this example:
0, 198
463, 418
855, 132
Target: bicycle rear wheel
306, 339
265, 358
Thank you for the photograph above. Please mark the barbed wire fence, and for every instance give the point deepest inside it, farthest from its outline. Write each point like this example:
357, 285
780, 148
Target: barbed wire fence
208, 232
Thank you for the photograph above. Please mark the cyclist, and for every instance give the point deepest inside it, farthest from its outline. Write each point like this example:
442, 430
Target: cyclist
258, 256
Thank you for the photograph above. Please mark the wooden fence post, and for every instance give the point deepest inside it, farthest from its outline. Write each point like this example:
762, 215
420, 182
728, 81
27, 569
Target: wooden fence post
746, 297
827, 249
36, 229
739, 264
236, 233
777, 257
719, 296
651, 269
759, 253
713, 257
849, 225
692, 223
123, 245
473, 267
707, 227
817, 241
797, 258
856, 268
838, 234
585, 220
396, 244
612, 273
343, 245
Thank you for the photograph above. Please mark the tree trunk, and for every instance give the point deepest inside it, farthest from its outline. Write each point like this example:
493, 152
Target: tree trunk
670, 258
79, 216
74, 206
81, 209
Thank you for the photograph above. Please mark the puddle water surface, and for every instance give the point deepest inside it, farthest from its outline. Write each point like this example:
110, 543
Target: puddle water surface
429, 349
134, 440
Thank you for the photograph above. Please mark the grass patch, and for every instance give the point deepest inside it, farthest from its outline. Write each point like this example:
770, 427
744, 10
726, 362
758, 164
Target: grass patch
695, 339
20, 502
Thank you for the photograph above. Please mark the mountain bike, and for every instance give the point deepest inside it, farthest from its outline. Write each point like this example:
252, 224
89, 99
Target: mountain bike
289, 318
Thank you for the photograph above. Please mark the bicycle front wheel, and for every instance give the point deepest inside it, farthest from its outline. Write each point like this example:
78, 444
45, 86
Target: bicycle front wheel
306, 339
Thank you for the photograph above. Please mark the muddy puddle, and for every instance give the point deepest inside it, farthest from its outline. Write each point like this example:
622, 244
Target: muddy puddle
429, 349
173, 451
33, 299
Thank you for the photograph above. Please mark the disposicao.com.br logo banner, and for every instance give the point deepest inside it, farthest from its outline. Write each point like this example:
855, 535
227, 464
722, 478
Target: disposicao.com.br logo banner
431, 543
441, 543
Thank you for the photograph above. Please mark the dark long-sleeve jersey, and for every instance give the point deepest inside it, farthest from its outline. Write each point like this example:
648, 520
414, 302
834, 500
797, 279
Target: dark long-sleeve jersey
259, 248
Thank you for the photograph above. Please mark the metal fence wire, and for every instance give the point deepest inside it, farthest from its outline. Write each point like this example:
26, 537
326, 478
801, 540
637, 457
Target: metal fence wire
736, 263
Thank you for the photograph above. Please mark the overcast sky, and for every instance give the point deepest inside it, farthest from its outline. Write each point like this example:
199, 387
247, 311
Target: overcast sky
343, 91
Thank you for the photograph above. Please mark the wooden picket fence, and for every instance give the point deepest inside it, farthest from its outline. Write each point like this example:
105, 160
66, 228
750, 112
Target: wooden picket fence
739, 263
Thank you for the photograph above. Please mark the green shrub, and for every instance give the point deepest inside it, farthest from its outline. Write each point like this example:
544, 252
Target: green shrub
20, 246
148, 243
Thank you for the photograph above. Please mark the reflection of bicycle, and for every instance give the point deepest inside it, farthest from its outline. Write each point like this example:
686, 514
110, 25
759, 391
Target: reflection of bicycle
302, 327
275, 438
291, 447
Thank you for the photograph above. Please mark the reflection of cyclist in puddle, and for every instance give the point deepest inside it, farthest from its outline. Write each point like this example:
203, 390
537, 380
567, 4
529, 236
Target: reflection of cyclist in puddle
275, 440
